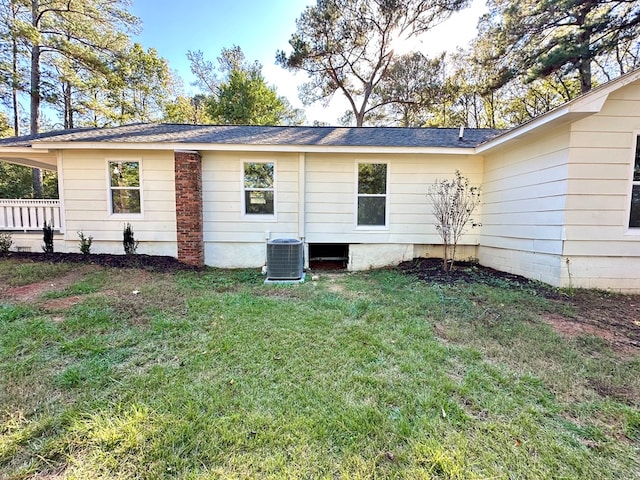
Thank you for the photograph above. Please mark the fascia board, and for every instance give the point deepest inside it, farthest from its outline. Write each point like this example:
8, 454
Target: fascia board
25, 150
581, 107
203, 147
557, 117
522, 130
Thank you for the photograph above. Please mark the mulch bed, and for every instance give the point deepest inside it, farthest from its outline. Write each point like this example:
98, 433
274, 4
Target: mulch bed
154, 263
430, 270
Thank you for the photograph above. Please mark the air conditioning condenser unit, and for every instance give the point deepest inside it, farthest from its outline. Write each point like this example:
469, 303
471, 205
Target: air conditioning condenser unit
285, 259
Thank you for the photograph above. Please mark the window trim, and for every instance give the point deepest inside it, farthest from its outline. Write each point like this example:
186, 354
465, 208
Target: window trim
110, 188
259, 217
386, 195
632, 231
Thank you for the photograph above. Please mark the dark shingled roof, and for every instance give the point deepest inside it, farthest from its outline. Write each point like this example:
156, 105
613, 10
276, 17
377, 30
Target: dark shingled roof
263, 135
26, 140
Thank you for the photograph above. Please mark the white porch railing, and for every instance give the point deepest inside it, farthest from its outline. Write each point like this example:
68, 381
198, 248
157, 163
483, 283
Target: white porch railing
29, 215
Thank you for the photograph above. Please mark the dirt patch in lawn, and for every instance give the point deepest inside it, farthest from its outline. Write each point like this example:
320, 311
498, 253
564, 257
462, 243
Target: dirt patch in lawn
62, 304
32, 291
128, 302
613, 317
335, 286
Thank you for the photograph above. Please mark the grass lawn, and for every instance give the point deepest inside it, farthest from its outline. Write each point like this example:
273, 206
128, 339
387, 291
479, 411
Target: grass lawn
127, 373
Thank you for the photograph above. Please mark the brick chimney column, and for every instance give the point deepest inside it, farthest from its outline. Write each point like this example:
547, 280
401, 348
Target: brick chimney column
188, 171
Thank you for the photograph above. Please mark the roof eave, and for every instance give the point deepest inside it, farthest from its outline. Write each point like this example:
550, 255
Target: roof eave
25, 150
560, 116
578, 108
29, 157
204, 147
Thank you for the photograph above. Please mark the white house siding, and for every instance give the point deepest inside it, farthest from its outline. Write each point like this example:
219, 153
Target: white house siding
600, 250
331, 183
523, 206
86, 202
235, 240
33, 241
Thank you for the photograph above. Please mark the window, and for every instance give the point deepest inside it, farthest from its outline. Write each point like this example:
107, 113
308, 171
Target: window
372, 194
124, 187
634, 215
258, 188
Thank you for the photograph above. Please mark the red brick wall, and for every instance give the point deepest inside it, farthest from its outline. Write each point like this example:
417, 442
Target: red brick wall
188, 169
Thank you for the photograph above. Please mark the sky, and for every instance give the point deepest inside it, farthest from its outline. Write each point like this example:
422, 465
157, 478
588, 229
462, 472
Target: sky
260, 28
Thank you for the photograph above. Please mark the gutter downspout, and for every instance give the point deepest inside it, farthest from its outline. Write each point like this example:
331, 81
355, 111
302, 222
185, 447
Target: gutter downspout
302, 157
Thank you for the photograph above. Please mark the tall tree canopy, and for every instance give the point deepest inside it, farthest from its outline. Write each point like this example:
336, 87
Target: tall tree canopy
85, 33
138, 85
347, 46
5, 128
533, 39
76, 56
190, 110
409, 91
245, 99
13, 55
237, 92
51, 42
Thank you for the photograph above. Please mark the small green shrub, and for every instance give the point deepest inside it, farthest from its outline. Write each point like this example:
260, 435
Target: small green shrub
128, 241
5, 243
85, 243
47, 234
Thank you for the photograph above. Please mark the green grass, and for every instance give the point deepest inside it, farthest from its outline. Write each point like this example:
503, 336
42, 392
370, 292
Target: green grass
16, 274
91, 282
375, 375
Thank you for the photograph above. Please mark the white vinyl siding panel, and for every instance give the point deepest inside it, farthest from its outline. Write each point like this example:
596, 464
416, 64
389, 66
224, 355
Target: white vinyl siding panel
331, 188
539, 266
523, 200
223, 216
86, 199
571, 190
601, 162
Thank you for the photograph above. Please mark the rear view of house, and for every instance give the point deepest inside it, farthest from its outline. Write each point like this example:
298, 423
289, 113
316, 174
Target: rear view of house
561, 194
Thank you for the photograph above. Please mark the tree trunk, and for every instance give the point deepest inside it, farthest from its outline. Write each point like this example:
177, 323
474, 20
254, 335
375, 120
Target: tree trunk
584, 40
34, 117
585, 75
14, 89
68, 107
445, 257
36, 180
15, 74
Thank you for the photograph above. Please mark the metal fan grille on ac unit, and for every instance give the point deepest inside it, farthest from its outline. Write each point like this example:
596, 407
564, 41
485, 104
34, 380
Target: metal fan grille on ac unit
285, 259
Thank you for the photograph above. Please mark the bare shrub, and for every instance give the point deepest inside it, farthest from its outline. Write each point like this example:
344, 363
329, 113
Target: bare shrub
453, 203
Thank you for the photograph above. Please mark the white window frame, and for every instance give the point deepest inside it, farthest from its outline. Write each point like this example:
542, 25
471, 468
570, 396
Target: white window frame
358, 195
269, 217
124, 216
632, 183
